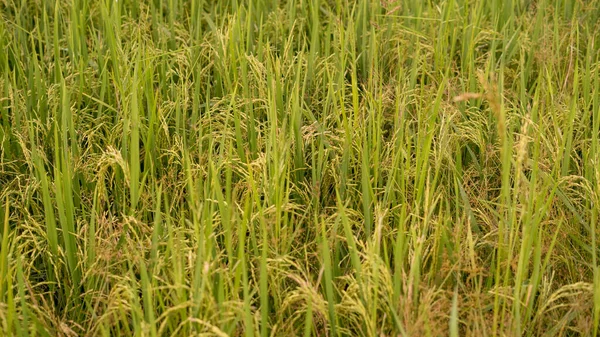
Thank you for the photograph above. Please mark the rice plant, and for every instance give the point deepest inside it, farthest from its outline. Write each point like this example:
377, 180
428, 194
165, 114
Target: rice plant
299, 167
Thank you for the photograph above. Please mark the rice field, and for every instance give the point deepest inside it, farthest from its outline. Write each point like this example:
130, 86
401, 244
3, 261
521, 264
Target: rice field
299, 168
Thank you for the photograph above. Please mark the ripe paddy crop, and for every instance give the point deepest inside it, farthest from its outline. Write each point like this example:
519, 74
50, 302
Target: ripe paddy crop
309, 167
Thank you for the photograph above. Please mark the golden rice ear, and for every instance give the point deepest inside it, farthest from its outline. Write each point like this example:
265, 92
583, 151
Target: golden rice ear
467, 96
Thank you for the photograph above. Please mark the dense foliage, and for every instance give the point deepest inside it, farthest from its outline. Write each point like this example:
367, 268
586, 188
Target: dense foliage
308, 167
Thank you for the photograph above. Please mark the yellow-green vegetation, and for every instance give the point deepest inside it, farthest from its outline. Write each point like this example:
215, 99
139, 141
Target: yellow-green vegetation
299, 168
